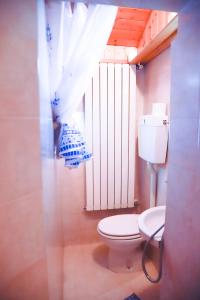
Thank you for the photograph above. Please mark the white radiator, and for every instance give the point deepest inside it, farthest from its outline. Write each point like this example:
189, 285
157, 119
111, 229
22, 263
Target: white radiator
110, 104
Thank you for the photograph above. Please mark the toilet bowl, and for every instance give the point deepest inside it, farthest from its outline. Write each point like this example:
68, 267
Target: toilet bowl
121, 234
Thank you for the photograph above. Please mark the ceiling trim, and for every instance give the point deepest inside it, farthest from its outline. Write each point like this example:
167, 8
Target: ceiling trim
161, 41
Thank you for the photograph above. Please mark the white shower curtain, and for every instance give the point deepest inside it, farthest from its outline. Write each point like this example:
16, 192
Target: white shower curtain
77, 34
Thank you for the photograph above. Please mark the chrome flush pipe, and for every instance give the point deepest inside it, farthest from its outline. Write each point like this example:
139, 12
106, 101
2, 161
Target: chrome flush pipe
153, 184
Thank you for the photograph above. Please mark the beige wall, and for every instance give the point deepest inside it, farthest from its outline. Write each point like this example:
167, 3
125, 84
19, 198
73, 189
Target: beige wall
153, 85
30, 255
23, 265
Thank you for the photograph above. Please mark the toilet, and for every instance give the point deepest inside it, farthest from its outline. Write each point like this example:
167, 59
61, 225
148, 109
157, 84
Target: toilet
121, 234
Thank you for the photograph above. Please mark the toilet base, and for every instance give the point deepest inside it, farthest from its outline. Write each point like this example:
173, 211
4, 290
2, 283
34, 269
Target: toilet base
124, 261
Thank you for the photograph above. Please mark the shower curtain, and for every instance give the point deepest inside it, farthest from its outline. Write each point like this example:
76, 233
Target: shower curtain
77, 34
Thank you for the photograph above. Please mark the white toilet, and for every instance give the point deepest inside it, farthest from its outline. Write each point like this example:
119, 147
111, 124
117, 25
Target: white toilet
121, 234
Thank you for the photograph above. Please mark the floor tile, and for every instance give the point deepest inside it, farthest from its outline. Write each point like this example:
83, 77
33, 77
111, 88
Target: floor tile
87, 277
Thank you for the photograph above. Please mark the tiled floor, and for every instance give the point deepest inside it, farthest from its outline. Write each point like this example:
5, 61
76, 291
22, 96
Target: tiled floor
86, 277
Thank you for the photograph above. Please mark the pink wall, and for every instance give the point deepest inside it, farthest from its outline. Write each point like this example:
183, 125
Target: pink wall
28, 230
23, 267
182, 242
153, 85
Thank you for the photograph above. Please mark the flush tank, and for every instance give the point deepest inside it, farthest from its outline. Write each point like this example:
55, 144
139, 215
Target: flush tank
153, 138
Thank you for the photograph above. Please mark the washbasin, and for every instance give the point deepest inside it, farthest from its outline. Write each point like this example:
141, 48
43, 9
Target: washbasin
150, 220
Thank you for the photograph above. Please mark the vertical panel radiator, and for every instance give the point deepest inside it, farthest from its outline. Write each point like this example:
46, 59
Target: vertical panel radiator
110, 103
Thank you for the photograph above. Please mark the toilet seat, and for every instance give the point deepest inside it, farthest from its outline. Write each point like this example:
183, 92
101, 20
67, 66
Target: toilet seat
120, 227
115, 237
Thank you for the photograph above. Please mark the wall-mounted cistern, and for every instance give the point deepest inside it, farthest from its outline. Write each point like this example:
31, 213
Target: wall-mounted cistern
152, 143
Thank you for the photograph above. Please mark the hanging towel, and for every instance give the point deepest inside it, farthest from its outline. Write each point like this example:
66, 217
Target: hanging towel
72, 146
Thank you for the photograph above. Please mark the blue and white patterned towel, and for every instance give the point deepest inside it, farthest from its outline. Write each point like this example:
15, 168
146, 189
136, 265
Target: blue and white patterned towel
72, 146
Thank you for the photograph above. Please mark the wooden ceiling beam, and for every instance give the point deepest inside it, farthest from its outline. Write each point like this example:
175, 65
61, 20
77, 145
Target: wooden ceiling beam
161, 41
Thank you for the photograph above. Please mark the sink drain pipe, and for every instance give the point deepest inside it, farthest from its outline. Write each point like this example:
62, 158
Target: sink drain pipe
161, 246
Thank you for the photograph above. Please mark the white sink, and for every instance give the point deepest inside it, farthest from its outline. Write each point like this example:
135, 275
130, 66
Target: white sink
150, 220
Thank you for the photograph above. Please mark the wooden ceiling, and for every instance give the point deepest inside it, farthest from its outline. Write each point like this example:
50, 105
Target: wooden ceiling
129, 26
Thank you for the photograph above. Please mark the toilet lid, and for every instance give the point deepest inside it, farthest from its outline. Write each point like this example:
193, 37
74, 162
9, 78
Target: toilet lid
120, 225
